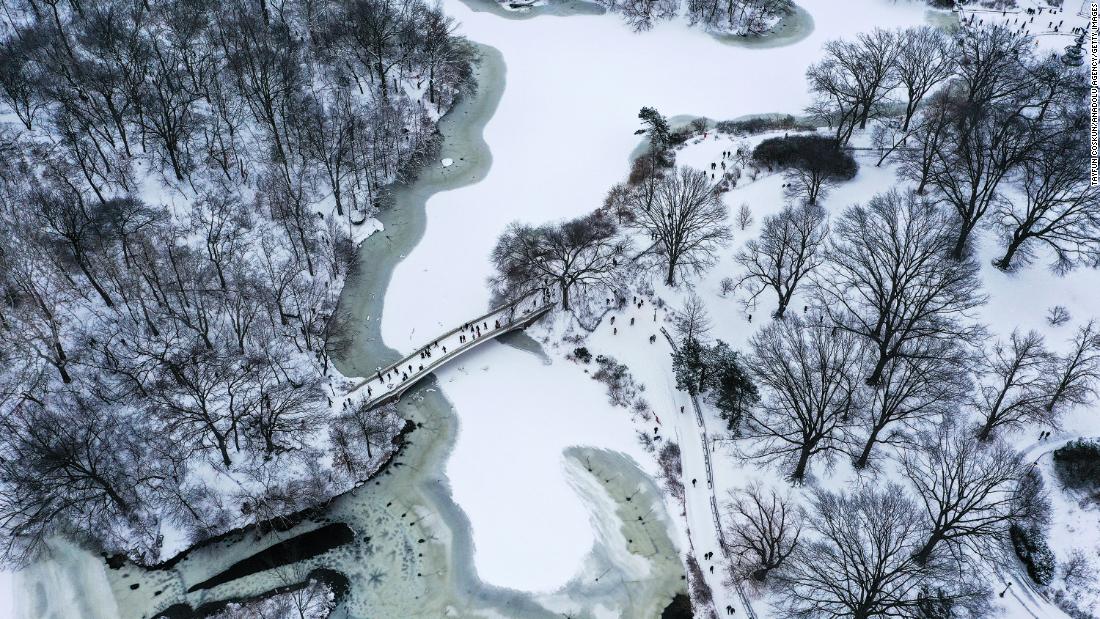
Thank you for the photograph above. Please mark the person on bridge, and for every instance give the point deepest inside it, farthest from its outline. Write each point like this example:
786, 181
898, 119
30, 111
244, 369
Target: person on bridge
368, 395
444, 350
496, 324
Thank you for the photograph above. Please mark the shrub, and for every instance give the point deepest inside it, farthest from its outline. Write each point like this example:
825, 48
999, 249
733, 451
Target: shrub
649, 164
581, 354
1078, 464
621, 388
1034, 552
810, 152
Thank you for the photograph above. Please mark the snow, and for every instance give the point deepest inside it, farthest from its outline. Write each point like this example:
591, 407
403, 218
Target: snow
69, 583
560, 138
506, 469
447, 162
7, 594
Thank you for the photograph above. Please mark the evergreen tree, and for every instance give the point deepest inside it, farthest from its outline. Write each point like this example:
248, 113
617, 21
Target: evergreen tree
689, 363
732, 391
656, 128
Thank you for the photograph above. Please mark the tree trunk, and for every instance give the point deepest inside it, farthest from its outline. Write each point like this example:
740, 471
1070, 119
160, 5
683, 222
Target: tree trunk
880, 366
865, 457
1005, 262
960, 244
925, 552
95, 283
803, 462
670, 277
65, 378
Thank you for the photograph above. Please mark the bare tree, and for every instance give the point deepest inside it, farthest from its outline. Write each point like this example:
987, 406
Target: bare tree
852, 79
925, 59
68, 467
927, 135
578, 254
807, 371
859, 562
786, 252
885, 278
687, 218
1073, 377
916, 390
1060, 209
744, 216
966, 489
1011, 385
814, 164
993, 63
360, 430
692, 321
1005, 105
737, 16
642, 14
764, 527
981, 147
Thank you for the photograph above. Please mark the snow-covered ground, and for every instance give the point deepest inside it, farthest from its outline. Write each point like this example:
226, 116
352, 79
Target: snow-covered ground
559, 139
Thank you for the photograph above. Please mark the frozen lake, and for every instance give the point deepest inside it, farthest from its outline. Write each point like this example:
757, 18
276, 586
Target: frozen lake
561, 136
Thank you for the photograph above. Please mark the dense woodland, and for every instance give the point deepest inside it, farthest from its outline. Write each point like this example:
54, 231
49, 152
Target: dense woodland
885, 365
179, 185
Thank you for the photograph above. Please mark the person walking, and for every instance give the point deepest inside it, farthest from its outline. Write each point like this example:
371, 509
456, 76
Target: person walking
693, 480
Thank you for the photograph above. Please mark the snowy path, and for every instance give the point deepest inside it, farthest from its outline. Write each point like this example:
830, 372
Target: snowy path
702, 503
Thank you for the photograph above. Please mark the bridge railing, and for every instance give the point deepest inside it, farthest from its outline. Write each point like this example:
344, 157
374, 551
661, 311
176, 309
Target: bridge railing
536, 294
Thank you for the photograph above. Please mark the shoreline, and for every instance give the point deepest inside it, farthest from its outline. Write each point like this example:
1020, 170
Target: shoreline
412, 555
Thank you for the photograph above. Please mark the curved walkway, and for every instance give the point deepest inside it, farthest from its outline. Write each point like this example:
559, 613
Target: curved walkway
389, 383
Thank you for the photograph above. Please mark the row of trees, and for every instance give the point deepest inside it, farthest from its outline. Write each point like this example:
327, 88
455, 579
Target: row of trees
171, 259
891, 550
743, 17
968, 117
892, 310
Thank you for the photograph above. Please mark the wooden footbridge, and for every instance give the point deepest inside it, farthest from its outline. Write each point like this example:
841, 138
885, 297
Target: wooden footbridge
390, 383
